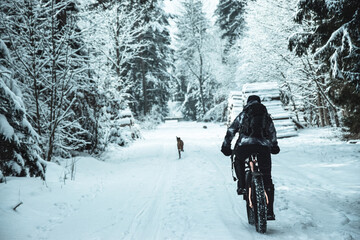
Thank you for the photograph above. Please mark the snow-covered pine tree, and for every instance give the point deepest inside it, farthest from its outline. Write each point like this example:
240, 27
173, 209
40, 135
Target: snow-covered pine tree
44, 41
149, 70
230, 27
66, 71
87, 109
192, 62
21, 24
82, 134
112, 45
230, 19
332, 37
19, 149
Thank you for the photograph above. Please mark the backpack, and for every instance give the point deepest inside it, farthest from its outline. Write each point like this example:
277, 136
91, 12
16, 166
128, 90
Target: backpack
256, 121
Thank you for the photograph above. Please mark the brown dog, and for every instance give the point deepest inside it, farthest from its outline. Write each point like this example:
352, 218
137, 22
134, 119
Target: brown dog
180, 146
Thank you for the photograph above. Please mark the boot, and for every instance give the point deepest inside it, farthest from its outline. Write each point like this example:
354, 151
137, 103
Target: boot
270, 208
241, 188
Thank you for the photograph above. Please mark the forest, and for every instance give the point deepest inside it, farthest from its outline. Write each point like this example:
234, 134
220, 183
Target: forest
77, 75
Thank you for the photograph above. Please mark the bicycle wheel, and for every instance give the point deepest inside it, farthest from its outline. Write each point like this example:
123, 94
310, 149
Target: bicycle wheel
259, 203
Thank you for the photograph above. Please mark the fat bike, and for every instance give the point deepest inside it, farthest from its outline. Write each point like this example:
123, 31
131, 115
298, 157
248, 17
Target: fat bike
255, 195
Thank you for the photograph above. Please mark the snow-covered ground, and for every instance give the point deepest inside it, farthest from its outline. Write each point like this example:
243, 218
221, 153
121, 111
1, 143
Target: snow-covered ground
145, 192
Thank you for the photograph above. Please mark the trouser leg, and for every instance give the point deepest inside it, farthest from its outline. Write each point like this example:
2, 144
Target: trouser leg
271, 195
264, 159
241, 154
240, 172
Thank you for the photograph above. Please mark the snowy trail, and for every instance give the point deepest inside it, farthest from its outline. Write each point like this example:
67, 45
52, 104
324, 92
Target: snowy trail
162, 197
145, 192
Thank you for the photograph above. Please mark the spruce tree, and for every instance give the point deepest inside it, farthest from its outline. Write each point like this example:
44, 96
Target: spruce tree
230, 19
192, 60
50, 64
112, 47
19, 149
149, 70
332, 36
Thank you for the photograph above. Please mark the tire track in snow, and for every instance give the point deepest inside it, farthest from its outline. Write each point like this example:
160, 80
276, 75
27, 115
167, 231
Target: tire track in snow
229, 206
148, 220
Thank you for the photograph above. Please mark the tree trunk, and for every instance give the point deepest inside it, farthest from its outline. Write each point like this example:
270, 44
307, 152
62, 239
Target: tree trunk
321, 112
327, 116
291, 98
117, 46
201, 82
53, 87
34, 75
144, 87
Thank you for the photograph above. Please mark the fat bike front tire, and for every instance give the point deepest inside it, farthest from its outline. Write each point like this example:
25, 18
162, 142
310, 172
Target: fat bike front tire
259, 204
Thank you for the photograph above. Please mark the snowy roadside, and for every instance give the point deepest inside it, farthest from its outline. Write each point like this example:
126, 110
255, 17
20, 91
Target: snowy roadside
144, 192
318, 185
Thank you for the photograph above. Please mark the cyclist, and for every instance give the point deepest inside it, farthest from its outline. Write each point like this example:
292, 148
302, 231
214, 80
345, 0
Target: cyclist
256, 134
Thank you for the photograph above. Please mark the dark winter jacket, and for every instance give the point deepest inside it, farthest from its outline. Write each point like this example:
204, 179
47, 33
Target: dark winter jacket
270, 140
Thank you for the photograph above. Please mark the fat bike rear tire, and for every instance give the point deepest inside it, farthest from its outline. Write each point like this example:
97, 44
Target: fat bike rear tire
259, 204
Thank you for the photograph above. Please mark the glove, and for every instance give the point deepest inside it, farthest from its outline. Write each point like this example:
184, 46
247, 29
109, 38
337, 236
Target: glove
275, 149
226, 150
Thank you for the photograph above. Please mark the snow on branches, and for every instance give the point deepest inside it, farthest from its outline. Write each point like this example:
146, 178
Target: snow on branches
18, 141
332, 35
